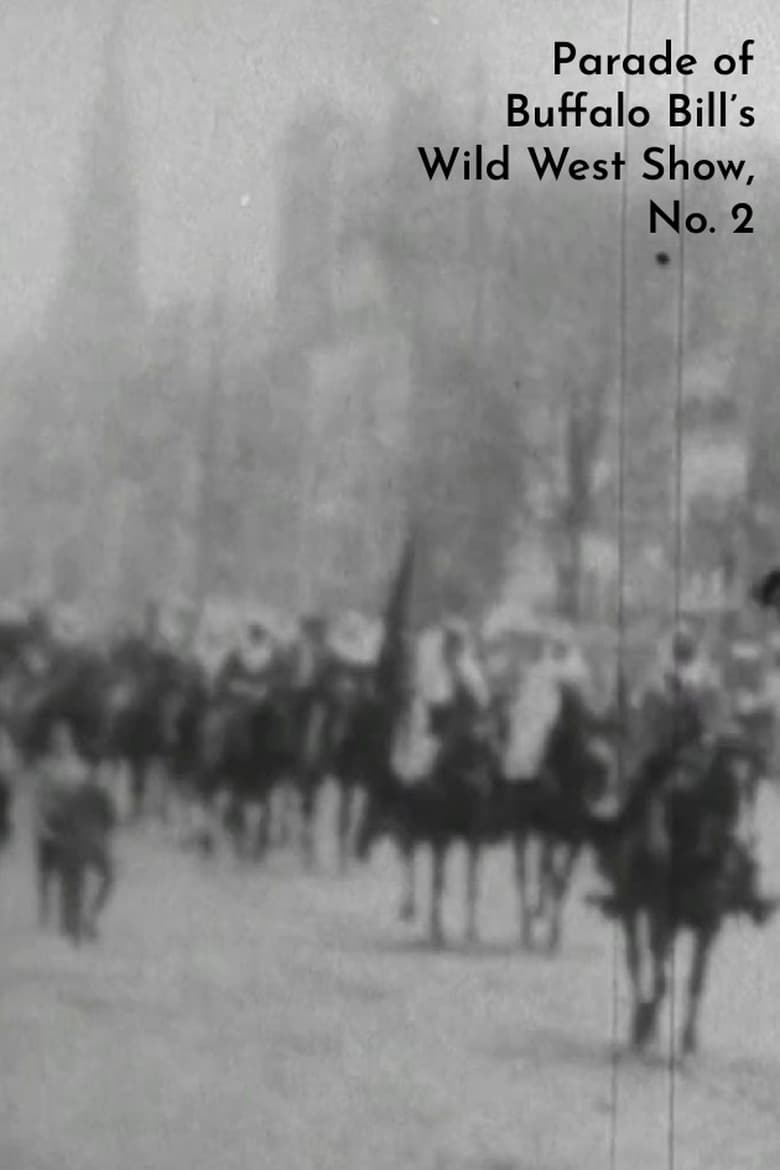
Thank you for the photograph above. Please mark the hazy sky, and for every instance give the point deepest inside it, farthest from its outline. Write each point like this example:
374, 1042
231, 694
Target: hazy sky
212, 82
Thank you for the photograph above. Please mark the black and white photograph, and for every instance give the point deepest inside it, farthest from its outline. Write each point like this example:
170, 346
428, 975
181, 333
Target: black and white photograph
389, 585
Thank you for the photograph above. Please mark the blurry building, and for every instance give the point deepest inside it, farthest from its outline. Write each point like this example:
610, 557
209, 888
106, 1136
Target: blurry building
70, 379
355, 452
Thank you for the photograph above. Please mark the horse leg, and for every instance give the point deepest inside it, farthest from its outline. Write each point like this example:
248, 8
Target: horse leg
472, 890
184, 797
408, 910
560, 877
232, 815
634, 963
44, 873
137, 788
256, 816
263, 836
72, 894
104, 868
346, 795
544, 876
661, 940
286, 811
308, 814
437, 891
203, 816
164, 782
520, 844
702, 949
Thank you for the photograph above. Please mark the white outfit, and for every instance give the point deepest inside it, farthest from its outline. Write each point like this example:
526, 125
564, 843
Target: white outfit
574, 671
415, 748
531, 718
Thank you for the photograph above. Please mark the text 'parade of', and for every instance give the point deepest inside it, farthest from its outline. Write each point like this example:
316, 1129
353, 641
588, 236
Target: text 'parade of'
714, 109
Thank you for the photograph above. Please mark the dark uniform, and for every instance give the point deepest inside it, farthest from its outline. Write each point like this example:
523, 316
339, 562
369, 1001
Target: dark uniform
678, 758
312, 669
246, 675
460, 721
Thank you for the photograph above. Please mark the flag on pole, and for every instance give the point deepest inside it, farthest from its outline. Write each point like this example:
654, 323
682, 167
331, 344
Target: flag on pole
392, 666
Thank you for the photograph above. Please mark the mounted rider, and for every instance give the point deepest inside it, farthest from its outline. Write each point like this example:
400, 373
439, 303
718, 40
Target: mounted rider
455, 698
353, 649
215, 640
247, 671
561, 667
567, 664
682, 720
679, 705
354, 645
750, 699
463, 693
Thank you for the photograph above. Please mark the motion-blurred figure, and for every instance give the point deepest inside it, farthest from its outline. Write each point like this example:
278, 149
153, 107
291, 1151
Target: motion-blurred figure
681, 724
74, 819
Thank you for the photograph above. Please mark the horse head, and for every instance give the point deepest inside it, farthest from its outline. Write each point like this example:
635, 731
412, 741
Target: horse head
577, 755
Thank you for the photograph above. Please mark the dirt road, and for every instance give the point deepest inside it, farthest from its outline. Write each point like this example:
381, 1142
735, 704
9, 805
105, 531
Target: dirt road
272, 1020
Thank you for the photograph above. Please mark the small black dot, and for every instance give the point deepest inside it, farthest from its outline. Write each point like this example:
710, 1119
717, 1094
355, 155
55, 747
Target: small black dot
662, 258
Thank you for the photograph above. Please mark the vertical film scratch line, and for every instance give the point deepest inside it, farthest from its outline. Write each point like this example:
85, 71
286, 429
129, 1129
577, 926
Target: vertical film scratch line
678, 550
621, 407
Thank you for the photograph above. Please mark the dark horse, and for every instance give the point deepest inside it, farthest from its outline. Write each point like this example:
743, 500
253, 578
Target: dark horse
674, 861
465, 798
77, 841
182, 710
244, 754
141, 678
340, 746
552, 808
71, 690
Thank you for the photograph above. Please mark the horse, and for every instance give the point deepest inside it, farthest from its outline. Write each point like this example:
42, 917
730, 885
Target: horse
672, 857
77, 840
466, 796
336, 744
183, 708
552, 807
141, 679
70, 689
459, 799
321, 715
244, 752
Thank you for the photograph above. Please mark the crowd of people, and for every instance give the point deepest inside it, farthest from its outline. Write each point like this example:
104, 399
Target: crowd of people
476, 719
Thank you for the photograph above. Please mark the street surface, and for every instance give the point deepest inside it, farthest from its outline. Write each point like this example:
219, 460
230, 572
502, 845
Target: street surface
268, 1019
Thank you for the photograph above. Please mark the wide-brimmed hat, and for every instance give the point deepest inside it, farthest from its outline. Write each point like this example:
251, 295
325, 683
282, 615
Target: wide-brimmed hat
355, 640
746, 651
69, 625
259, 621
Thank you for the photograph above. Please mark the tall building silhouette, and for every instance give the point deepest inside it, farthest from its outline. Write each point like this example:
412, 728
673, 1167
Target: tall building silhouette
98, 297
91, 341
311, 156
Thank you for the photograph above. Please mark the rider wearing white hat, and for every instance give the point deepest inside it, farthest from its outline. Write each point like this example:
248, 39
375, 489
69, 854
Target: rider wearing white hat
355, 641
454, 688
246, 673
